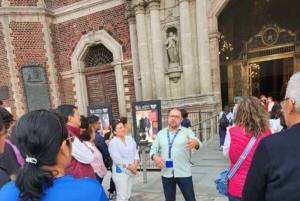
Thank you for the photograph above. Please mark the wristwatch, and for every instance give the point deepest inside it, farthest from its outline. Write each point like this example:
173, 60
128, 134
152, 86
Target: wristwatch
152, 156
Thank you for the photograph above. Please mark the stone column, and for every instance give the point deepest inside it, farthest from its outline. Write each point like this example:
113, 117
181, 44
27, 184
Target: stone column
138, 6
120, 88
186, 47
203, 48
159, 72
134, 51
215, 64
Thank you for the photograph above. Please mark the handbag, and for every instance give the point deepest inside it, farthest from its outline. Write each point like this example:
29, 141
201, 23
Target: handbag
222, 179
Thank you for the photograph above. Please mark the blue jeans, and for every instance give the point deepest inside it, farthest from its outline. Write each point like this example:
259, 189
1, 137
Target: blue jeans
185, 184
231, 198
222, 133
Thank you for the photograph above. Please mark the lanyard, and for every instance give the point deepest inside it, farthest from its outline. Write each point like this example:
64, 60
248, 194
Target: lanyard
171, 142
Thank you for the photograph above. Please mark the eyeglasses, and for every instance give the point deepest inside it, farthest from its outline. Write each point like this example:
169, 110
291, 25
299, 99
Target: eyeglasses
284, 100
71, 138
174, 117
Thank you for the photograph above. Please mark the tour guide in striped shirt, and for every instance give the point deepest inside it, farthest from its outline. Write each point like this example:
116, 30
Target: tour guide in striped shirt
174, 145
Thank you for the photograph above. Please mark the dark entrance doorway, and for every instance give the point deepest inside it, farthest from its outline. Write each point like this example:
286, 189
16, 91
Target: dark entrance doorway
270, 77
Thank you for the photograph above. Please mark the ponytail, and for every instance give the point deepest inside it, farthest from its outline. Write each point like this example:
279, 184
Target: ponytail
32, 181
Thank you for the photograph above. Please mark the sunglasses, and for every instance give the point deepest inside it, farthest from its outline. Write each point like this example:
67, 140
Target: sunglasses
71, 138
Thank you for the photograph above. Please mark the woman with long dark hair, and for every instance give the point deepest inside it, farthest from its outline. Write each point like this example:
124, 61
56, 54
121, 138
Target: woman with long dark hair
44, 143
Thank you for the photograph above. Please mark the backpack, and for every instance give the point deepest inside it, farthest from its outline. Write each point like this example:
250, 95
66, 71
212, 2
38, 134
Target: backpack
224, 122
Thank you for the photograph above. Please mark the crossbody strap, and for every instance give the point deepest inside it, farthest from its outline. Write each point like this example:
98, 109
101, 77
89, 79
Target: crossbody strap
242, 158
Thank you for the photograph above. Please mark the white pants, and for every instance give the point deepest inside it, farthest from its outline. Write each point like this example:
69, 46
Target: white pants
123, 182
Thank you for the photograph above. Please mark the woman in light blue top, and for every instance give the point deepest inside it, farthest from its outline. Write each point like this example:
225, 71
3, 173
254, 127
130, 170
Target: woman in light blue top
122, 149
44, 143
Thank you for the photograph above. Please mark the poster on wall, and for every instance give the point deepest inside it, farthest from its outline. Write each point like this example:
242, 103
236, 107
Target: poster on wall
146, 120
105, 116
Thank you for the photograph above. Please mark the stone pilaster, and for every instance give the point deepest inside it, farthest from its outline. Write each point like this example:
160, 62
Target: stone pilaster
203, 48
215, 64
134, 50
186, 50
51, 63
158, 60
17, 96
120, 88
139, 9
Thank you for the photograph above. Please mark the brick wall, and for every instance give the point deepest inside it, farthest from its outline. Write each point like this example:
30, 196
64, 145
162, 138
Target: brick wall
29, 46
23, 2
53, 4
67, 91
4, 73
129, 86
66, 35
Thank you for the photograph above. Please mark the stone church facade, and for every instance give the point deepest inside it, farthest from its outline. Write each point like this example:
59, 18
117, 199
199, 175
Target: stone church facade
89, 52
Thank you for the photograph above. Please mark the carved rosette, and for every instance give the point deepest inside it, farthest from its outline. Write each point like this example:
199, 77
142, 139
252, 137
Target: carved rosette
153, 4
138, 6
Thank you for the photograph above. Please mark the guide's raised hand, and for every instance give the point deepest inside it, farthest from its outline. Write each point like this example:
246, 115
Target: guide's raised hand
191, 144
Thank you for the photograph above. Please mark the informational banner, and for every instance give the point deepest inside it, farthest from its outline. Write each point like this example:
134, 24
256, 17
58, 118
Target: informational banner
146, 120
104, 113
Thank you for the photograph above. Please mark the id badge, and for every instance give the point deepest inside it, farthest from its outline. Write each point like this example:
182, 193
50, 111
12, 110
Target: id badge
169, 163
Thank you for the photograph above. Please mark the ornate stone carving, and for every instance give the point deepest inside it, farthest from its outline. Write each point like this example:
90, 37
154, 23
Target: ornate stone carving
138, 6
129, 13
153, 4
174, 75
172, 47
269, 35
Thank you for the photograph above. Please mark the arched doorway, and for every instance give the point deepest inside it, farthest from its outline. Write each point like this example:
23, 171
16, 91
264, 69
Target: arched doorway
81, 73
100, 78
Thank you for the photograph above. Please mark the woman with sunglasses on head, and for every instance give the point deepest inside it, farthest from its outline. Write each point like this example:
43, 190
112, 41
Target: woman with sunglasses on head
4, 176
44, 143
122, 149
88, 137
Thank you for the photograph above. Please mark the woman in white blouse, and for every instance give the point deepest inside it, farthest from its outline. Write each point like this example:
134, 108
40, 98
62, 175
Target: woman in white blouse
122, 149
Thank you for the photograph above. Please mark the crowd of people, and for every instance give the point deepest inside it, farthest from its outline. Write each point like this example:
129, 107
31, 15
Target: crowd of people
270, 170
46, 154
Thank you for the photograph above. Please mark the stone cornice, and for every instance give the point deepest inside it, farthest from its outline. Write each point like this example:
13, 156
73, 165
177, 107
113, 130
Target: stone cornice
25, 11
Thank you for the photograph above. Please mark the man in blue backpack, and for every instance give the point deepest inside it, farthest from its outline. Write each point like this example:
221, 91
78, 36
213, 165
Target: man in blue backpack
225, 120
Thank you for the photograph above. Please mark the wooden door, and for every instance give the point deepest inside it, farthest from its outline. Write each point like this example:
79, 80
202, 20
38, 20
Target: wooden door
102, 89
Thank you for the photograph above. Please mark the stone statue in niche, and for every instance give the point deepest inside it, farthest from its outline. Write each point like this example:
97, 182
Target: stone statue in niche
172, 49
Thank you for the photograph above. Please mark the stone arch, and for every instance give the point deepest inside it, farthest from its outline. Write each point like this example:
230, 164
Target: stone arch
78, 66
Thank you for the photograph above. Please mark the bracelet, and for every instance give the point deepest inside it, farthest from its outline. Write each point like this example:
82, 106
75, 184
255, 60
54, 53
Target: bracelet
152, 156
